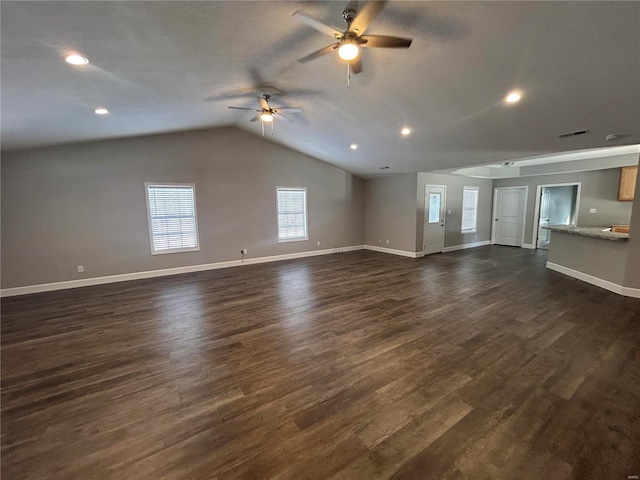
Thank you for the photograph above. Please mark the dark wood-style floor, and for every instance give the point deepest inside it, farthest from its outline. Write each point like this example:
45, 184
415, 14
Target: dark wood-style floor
479, 364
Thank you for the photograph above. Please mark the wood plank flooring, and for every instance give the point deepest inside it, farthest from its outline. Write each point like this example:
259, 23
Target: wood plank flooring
478, 364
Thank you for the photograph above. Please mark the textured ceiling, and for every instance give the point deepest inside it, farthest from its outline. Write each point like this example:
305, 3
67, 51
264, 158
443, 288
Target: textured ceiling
167, 66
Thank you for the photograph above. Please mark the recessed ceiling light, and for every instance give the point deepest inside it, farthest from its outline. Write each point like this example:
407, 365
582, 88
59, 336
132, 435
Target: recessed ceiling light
354, 146
513, 97
101, 111
75, 59
405, 131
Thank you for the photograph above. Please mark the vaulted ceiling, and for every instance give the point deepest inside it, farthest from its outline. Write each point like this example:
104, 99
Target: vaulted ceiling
168, 66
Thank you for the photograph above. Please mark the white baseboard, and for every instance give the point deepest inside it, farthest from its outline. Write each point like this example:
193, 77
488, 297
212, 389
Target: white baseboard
392, 251
453, 248
125, 277
598, 282
530, 246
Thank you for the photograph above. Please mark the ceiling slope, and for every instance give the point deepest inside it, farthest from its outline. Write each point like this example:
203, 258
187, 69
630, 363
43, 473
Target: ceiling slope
169, 66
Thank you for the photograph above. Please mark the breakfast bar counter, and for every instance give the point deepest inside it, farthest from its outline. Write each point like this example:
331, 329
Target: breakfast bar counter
592, 254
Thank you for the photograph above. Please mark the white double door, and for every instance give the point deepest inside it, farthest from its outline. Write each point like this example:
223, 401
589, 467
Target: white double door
434, 209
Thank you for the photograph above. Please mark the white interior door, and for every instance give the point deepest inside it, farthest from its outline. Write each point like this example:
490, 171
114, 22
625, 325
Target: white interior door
508, 219
544, 235
434, 208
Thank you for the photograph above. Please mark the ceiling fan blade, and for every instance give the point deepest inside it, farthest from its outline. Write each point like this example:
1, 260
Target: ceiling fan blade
356, 65
263, 103
288, 109
256, 118
365, 16
283, 117
242, 108
319, 53
383, 41
318, 25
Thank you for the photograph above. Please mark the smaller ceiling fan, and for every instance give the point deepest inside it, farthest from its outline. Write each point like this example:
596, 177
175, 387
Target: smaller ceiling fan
266, 114
349, 42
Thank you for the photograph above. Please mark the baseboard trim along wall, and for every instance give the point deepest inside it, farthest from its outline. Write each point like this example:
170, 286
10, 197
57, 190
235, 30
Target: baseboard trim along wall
453, 248
530, 246
392, 251
125, 277
598, 282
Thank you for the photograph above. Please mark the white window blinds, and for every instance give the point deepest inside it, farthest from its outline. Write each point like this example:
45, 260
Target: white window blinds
470, 209
292, 214
172, 218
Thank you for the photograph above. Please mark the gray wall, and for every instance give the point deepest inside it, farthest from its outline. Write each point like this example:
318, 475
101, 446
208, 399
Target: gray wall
84, 204
632, 276
561, 205
605, 259
453, 224
390, 212
599, 191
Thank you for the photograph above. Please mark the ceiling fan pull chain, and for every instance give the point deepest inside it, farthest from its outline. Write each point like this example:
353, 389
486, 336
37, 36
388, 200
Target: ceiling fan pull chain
272, 127
348, 74
262, 123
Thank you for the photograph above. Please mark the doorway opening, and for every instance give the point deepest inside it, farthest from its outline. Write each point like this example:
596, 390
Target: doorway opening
556, 204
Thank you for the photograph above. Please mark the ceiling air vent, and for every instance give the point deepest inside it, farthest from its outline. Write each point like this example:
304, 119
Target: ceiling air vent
573, 134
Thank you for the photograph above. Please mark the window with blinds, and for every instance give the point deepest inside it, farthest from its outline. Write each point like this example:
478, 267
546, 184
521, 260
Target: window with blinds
470, 210
292, 214
173, 225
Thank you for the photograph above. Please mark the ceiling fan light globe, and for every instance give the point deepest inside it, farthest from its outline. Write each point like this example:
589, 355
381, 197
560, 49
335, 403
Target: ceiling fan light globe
348, 51
266, 117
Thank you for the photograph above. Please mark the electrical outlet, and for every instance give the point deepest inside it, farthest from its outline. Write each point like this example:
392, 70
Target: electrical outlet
80, 268
318, 243
448, 212
244, 251
380, 241
387, 242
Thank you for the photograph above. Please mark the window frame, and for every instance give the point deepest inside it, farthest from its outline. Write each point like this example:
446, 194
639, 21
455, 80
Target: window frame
476, 209
306, 216
150, 226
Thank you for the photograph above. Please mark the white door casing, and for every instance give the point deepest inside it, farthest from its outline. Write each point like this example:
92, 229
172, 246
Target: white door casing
435, 199
544, 235
509, 209
536, 211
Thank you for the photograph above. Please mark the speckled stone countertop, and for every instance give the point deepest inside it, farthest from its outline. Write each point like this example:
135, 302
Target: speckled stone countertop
596, 232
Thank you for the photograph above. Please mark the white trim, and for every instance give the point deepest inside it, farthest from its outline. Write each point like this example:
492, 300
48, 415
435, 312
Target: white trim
125, 277
528, 246
524, 211
464, 246
392, 251
536, 210
598, 282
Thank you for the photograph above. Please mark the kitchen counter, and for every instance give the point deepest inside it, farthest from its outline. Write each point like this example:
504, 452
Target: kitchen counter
596, 232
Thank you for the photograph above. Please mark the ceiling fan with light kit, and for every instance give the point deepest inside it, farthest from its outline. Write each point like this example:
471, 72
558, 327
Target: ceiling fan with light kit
267, 114
349, 42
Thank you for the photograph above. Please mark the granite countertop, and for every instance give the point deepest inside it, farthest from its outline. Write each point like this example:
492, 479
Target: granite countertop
596, 232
